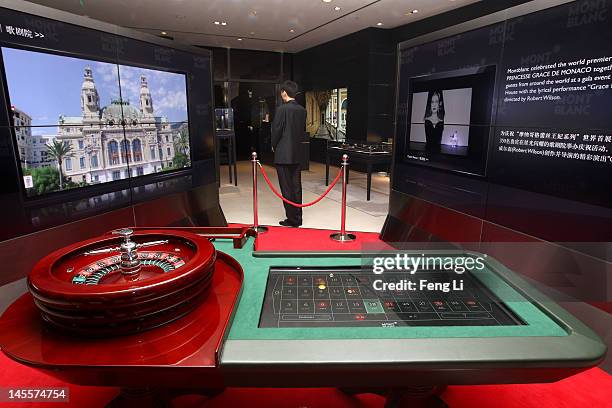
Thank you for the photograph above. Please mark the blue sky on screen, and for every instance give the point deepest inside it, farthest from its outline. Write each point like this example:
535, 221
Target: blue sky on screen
45, 86
168, 91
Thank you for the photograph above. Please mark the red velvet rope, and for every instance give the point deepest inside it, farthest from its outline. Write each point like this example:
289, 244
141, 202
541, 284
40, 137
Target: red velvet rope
279, 195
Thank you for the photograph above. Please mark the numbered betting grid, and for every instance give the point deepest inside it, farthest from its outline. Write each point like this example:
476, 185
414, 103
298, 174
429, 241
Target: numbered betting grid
297, 297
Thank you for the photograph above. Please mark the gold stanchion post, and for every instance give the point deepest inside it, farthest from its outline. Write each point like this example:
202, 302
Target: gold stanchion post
258, 228
343, 236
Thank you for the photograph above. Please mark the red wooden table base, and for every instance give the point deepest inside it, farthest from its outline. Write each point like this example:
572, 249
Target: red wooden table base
181, 355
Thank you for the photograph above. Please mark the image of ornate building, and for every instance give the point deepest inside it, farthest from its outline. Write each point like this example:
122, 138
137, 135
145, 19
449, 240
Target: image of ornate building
116, 141
32, 149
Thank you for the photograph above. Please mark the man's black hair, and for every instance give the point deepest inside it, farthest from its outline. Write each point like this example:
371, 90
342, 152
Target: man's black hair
290, 87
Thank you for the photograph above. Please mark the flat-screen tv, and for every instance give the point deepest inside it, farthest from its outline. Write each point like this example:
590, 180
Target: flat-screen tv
81, 122
450, 119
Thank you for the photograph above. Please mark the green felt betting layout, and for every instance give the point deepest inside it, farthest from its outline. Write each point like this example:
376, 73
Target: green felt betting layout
245, 325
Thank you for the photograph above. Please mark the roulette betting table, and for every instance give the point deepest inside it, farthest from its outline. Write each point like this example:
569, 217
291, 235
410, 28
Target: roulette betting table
166, 312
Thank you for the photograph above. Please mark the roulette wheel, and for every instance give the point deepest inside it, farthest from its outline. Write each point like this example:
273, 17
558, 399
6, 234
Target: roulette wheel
123, 282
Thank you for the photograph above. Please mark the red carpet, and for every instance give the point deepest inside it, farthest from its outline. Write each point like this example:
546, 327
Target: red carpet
592, 388
308, 239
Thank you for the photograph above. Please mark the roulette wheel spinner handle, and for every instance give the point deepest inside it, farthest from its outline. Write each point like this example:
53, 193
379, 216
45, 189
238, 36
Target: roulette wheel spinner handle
130, 264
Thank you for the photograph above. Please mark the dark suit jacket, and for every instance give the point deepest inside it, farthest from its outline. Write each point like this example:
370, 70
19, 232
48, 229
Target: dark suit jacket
288, 129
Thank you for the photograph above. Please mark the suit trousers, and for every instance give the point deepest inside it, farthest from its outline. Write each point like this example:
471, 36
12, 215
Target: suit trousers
290, 180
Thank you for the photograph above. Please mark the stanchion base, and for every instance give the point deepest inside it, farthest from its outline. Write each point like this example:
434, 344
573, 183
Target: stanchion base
340, 237
260, 229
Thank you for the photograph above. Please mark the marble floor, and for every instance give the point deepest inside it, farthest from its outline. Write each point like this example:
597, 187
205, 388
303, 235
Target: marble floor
362, 215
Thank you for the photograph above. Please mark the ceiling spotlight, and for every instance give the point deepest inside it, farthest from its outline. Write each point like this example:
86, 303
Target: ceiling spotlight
223, 23
327, 1
239, 39
337, 8
252, 33
414, 11
217, 23
292, 31
379, 23
164, 33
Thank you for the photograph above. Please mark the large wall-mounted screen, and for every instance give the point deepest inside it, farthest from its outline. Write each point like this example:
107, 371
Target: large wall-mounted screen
125, 118
450, 119
80, 122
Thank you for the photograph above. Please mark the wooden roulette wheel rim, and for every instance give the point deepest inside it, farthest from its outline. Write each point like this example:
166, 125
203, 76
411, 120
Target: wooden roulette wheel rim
112, 304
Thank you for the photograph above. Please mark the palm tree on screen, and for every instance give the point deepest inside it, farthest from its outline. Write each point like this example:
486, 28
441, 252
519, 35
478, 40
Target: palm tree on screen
182, 142
59, 151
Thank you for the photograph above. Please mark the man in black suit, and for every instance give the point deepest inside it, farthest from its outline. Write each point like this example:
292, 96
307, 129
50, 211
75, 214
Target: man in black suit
288, 130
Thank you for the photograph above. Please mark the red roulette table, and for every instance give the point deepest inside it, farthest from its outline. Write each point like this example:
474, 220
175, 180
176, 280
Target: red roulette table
166, 312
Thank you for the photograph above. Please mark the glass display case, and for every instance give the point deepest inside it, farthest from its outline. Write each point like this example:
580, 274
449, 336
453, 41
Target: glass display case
368, 148
365, 156
224, 119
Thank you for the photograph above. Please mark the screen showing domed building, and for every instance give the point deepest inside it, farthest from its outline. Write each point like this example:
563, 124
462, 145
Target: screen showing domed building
80, 122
